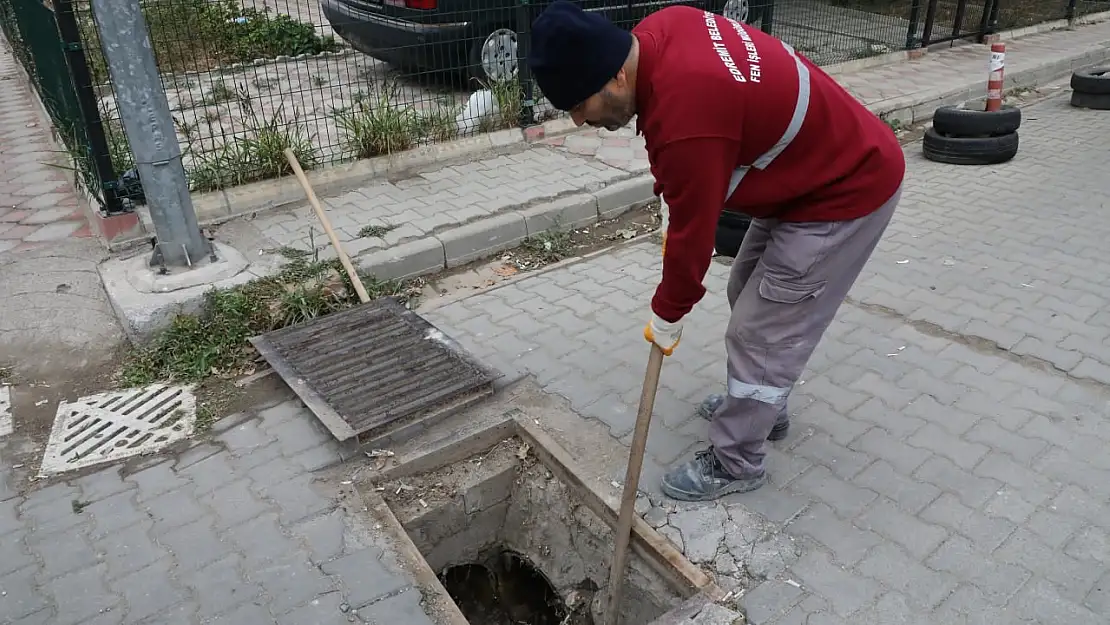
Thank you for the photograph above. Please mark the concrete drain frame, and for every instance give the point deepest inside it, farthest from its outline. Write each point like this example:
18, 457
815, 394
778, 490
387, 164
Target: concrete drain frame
510, 488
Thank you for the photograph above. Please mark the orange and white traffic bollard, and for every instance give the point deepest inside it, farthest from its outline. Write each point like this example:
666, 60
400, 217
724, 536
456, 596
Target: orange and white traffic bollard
995, 78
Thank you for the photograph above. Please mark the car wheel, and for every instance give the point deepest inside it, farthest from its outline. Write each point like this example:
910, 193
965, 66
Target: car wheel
1093, 101
493, 58
958, 122
1095, 80
740, 10
969, 150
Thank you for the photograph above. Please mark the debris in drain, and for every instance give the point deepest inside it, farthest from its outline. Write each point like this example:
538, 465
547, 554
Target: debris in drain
507, 590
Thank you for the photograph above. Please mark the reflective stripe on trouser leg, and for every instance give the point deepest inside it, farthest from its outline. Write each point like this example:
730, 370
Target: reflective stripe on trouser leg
762, 393
779, 317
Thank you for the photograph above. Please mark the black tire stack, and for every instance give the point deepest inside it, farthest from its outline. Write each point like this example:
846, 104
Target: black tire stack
961, 136
1090, 88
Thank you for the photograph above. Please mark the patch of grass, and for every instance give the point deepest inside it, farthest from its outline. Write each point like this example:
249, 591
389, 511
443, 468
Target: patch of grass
219, 92
292, 253
437, 125
895, 124
266, 84
376, 126
379, 124
259, 154
509, 97
214, 342
207, 415
187, 129
550, 246
376, 230
196, 35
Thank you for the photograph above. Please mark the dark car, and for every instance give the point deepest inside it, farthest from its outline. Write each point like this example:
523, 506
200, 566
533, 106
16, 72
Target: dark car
476, 37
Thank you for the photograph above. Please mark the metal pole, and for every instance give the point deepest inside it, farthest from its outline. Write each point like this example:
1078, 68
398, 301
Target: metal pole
524, 73
984, 20
100, 157
911, 30
150, 130
767, 20
992, 24
958, 21
930, 17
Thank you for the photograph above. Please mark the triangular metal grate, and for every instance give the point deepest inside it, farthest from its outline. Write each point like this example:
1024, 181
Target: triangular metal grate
116, 425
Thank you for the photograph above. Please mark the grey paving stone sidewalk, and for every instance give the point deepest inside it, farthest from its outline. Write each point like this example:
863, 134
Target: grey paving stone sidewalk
239, 531
1013, 255
932, 476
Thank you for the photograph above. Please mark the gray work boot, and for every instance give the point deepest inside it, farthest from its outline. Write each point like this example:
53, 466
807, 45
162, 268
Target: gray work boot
709, 406
704, 479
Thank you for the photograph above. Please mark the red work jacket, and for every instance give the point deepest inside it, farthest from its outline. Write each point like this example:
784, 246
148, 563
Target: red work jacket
736, 119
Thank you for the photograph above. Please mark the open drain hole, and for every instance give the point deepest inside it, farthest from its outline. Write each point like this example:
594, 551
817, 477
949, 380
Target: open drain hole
506, 589
512, 544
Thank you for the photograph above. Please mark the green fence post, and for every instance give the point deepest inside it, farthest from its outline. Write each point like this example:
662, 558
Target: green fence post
524, 73
99, 155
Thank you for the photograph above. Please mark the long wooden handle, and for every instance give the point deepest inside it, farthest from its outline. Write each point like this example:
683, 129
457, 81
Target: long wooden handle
351, 273
623, 530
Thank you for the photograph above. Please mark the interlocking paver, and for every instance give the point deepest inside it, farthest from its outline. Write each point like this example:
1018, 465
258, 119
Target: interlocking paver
33, 190
168, 544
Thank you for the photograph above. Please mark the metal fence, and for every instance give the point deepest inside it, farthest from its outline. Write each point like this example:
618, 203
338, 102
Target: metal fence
53, 58
337, 80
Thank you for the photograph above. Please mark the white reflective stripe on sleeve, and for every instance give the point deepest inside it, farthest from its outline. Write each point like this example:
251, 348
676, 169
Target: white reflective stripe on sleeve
764, 394
734, 181
801, 107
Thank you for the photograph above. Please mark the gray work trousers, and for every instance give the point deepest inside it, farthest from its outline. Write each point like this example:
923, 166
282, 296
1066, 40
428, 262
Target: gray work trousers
786, 284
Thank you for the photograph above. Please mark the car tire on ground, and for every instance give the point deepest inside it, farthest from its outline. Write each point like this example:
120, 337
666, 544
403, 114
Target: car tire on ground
731, 228
1093, 101
960, 122
1093, 80
969, 150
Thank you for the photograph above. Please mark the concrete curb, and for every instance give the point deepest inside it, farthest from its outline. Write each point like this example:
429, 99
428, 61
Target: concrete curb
488, 236
218, 206
144, 315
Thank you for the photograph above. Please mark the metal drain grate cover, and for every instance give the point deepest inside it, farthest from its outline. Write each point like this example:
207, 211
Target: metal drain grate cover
112, 426
366, 369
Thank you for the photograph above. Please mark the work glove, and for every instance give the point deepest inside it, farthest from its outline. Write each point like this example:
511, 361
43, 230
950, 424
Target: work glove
663, 333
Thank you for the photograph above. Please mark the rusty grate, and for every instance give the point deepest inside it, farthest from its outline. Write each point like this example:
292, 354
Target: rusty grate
374, 368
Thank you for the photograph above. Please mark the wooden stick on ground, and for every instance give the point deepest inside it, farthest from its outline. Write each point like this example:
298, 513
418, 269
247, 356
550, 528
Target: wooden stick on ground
623, 530
351, 273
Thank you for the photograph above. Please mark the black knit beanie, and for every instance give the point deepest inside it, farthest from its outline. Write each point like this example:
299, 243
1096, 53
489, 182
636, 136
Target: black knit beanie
575, 53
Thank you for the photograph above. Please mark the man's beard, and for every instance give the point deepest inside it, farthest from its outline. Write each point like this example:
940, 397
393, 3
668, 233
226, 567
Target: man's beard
620, 116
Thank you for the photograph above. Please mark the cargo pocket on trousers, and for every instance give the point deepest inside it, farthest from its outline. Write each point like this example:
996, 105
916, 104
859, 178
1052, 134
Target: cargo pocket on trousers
774, 289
